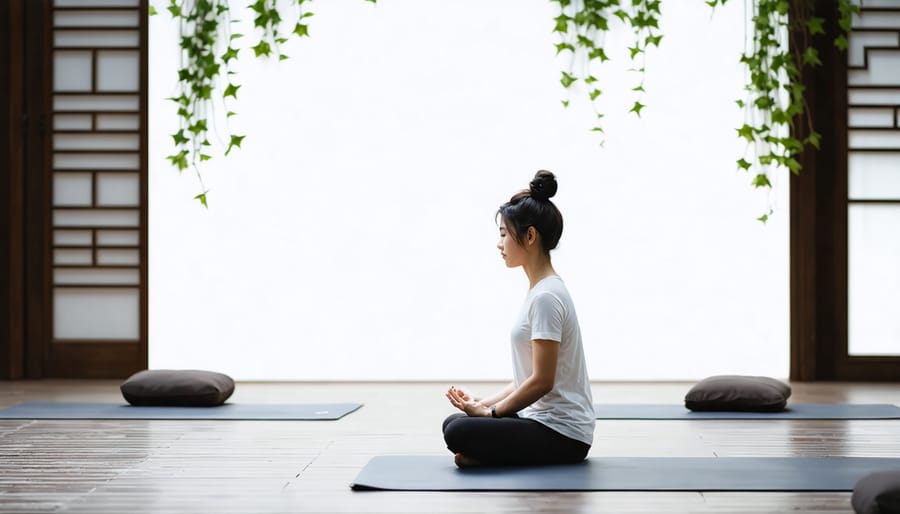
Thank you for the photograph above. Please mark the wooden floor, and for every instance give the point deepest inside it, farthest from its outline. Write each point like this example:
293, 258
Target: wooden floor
306, 466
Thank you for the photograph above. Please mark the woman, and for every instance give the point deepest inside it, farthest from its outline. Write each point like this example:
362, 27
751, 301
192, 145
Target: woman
546, 414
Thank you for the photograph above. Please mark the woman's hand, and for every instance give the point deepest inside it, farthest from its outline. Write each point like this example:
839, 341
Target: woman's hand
466, 403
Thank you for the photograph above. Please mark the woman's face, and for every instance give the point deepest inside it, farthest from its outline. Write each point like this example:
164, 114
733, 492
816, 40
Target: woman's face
512, 252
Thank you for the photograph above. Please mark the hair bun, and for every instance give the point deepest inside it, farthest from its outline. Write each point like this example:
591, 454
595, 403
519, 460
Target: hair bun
543, 186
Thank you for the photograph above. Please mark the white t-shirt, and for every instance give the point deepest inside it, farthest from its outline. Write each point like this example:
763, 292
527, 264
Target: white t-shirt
548, 313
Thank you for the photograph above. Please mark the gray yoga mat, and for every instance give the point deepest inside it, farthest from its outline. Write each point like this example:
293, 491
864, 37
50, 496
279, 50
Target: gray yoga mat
793, 411
438, 473
229, 411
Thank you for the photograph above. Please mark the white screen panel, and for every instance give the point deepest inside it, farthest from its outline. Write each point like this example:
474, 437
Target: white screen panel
860, 40
118, 189
118, 70
95, 3
118, 122
97, 18
69, 256
95, 103
80, 161
874, 280
96, 313
118, 257
874, 175
71, 189
873, 96
91, 276
72, 238
877, 20
117, 238
96, 142
83, 38
874, 139
884, 69
883, 117
72, 71
89, 217
72, 122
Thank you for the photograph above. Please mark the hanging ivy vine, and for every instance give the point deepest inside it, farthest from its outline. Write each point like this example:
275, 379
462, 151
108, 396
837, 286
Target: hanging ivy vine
779, 48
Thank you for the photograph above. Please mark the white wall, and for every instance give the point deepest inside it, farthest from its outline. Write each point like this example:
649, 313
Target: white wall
352, 238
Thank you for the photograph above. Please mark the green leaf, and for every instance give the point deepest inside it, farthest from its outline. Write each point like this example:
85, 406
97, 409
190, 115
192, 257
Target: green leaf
235, 36
740, 103
761, 180
841, 42
179, 160
639, 88
764, 218
590, 79
151, 11
561, 47
231, 90
174, 10
815, 25
653, 40
235, 142
179, 138
598, 53
811, 56
230, 53
565, 103
562, 24
282, 57
743, 164
202, 198
594, 93
636, 108
634, 50
814, 139
204, 157
301, 30
746, 132
262, 48
567, 80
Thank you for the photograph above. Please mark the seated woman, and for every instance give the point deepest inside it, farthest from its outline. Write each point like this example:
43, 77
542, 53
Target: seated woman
546, 414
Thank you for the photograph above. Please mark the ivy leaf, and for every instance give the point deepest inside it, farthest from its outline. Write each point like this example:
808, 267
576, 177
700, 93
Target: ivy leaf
740, 103
639, 88
634, 50
561, 47
815, 25
743, 164
230, 114
746, 132
179, 160
595, 93
764, 218
151, 11
235, 142
235, 36
793, 165
598, 53
204, 157
653, 40
567, 80
811, 56
562, 24
636, 108
202, 198
174, 10
590, 79
301, 30
814, 139
282, 57
262, 48
230, 53
231, 90
841, 42
179, 138
565, 103
761, 180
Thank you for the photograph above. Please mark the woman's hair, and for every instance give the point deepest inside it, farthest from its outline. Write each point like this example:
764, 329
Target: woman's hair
532, 208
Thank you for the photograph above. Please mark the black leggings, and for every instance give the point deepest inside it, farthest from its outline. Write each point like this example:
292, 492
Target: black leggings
511, 441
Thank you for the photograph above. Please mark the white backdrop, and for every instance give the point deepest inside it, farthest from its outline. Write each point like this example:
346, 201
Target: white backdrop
353, 236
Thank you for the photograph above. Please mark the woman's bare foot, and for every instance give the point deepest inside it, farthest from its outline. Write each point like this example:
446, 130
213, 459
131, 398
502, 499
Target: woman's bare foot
465, 462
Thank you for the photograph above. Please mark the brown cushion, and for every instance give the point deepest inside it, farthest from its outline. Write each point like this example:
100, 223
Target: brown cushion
877, 493
738, 393
181, 388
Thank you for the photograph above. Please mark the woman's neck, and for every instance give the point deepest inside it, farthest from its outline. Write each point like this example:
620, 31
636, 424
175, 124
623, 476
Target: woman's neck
538, 270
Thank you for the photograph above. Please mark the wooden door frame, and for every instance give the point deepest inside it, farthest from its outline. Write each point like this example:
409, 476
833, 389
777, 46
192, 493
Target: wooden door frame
818, 230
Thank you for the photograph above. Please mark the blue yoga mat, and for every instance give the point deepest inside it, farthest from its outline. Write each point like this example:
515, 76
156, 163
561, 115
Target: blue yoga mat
793, 411
230, 411
433, 473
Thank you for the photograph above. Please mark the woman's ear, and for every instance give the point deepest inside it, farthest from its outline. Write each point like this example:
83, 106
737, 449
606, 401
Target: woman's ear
531, 235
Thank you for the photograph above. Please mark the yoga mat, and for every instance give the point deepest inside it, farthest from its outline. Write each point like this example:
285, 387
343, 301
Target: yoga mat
433, 473
793, 411
231, 411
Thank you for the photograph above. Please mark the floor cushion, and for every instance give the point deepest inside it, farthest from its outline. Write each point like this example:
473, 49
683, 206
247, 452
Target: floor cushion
877, 493
181, 388
738, 393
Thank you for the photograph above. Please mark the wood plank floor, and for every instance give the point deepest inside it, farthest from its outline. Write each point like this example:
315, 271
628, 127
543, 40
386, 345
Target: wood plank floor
306, 466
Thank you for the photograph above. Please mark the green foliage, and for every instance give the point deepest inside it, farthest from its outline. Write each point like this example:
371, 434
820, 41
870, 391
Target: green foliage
208, 48
582, 27
780, 50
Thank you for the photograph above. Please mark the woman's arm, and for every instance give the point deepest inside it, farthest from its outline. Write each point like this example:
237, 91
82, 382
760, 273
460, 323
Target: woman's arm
545, 354
499, 396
